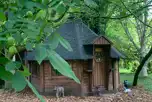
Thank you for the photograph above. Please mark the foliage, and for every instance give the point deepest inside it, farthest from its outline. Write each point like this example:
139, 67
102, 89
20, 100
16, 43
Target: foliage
28, 25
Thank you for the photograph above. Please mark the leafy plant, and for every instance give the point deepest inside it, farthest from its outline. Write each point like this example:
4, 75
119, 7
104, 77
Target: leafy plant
30, 25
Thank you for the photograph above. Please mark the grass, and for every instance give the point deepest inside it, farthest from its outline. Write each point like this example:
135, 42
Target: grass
123, 70
146, 81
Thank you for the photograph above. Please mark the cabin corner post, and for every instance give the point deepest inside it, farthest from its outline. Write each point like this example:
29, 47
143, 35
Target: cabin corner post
115, 75
42, 77
110, 79
28, 66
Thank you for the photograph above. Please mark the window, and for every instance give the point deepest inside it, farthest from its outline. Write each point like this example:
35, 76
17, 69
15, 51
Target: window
99, 55
35, 69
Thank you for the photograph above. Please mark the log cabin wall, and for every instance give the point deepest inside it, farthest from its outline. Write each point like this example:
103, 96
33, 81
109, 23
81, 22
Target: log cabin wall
86, 77
36, 76
71, 87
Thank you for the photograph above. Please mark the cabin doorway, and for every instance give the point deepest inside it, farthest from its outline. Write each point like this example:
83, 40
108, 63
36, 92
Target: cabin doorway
98, 67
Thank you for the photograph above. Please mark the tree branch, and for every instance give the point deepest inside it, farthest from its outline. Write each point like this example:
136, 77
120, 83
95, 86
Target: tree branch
129, 35
135, 15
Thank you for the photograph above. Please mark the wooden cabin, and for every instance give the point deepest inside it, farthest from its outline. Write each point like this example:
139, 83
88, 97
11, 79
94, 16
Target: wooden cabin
94, 61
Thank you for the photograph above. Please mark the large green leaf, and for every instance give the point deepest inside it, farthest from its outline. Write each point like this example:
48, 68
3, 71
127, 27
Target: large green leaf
65, 44
60, 9
2, 16
5, 75
29, 46
61, 65
3, 60
35, 91
18, 81
41, 14
12, 65
53, 40
40, 53
25, 72
90, 3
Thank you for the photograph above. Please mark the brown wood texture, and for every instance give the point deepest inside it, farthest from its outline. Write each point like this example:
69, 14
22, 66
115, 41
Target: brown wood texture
77, 66
101, 41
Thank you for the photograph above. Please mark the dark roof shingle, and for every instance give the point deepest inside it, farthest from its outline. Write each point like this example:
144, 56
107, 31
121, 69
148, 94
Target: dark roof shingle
78, 35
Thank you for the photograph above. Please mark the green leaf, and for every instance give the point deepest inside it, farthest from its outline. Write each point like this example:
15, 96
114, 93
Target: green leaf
61, 65
2, 16
12, 65
2, 39
18, 38
60, 9
53, 40
31, 34
45, 2
35, 91
29, 46
41, 14
5, 75
90, 3
25, 72
21, 2
12, 50
65, 44
18, 81
40, 53
3, 60
31, 4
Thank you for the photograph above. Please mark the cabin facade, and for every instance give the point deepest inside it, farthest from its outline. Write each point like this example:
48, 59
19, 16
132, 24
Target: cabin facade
94, 61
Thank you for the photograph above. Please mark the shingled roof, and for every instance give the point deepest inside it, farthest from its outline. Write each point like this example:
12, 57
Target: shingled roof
78, 35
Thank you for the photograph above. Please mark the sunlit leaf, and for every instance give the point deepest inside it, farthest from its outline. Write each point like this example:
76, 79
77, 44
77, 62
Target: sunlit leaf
65, 44
41, 14
2, 16
25, 72
61, 65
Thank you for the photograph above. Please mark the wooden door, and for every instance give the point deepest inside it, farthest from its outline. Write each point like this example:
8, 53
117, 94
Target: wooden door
98, 68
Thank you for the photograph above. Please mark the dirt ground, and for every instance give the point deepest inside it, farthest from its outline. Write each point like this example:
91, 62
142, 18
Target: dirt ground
138, 95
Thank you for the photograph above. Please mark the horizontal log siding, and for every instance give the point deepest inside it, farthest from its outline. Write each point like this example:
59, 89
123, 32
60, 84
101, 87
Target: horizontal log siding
71, 87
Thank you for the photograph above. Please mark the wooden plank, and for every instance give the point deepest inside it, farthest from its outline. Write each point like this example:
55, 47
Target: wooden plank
42, 77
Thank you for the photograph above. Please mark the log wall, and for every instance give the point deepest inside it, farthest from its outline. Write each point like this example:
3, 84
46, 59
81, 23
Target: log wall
71, 87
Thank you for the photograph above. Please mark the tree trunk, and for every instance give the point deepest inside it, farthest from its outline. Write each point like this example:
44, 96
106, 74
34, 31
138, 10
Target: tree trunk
143, 72
140, 67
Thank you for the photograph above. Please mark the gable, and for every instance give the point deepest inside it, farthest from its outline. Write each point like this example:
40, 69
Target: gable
101, 40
